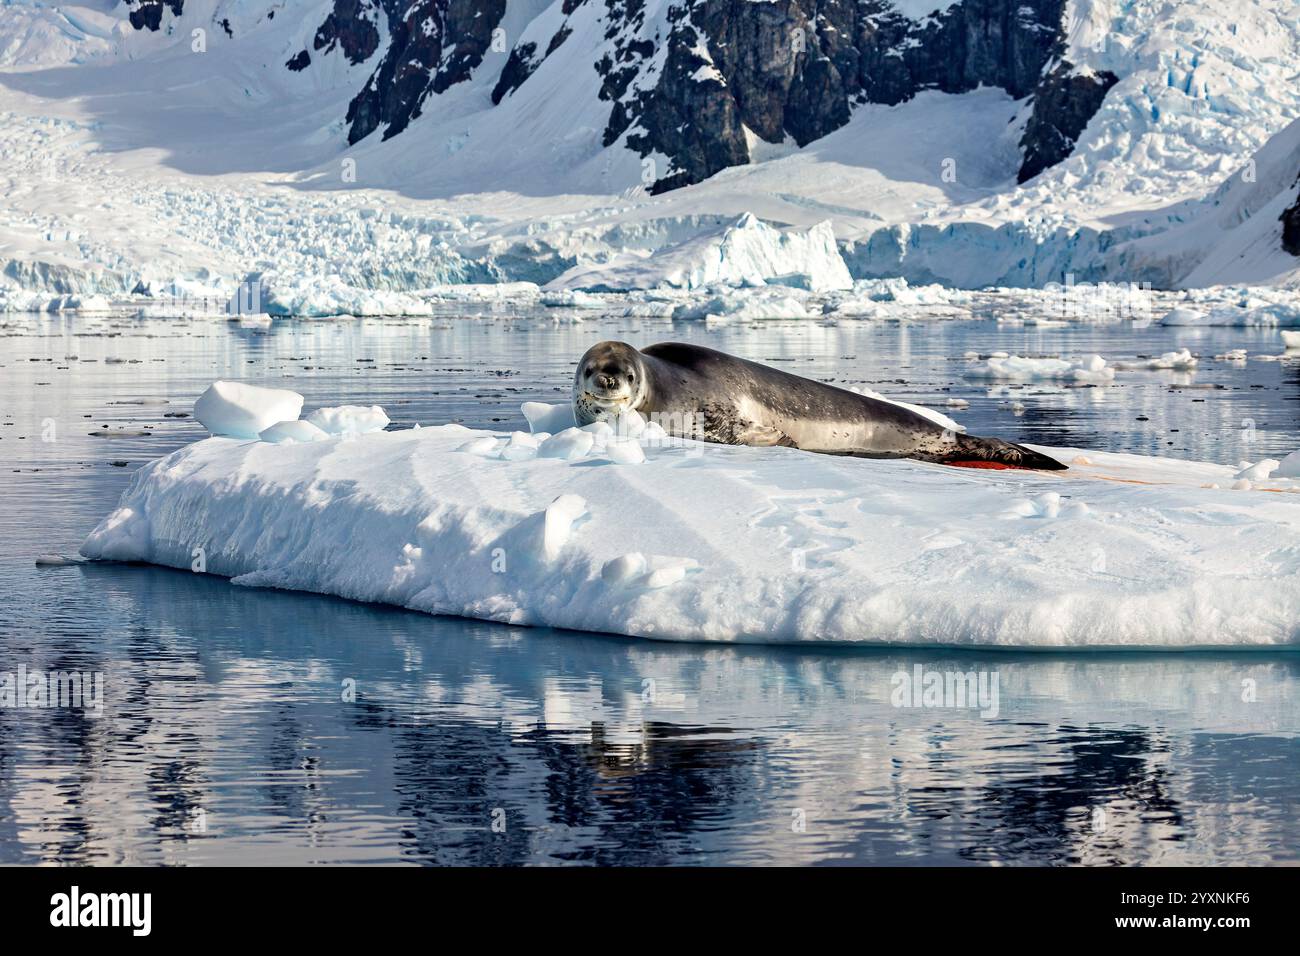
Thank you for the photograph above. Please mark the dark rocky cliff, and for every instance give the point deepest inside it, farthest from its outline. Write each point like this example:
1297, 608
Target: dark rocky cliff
689, 84
795, 68
1290, 219
432, 45
1063, 103
148, 14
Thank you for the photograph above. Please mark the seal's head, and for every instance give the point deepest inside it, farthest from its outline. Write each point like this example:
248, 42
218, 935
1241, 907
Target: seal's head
610, 379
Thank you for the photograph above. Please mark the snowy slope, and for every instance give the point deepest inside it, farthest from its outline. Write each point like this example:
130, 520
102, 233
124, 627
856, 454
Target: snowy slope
131, 159
36, 36
1236, 234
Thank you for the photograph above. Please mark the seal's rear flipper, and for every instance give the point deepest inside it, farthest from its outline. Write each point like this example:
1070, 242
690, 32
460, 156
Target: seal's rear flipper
970, 451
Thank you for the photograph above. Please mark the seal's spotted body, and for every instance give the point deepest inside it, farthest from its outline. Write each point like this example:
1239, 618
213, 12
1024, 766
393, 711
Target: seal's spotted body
696, 392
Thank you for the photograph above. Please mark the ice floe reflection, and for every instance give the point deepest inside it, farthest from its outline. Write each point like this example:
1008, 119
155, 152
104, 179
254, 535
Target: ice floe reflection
229, 735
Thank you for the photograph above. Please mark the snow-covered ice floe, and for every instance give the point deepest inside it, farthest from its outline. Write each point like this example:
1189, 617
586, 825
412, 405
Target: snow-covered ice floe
686, 541
1239, 314
1015, 368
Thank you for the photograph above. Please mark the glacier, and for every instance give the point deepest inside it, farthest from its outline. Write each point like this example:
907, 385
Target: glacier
137, 169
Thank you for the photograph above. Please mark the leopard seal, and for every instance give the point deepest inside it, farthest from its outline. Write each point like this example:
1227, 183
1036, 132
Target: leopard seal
698, 392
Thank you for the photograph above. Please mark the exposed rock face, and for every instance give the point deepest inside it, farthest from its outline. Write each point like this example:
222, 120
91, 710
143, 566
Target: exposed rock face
524, 58
984, 42
351, 27
1063, 104
795, 68
692, 80
689, 116
147, 14
1290, 219
519, 67
433, 44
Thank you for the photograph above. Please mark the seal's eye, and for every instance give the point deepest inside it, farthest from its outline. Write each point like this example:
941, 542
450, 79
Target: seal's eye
631, 378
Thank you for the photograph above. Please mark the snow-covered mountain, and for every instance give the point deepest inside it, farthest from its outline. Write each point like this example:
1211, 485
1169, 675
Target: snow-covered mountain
399, 143
692, 86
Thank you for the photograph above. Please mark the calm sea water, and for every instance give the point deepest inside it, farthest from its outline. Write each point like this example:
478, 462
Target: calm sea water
267, 727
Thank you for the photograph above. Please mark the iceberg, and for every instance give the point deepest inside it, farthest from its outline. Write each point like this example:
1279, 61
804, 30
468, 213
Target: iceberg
747, 252
720, 543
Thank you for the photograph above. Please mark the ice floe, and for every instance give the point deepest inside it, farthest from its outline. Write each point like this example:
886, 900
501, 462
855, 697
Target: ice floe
1181, 360
720, 543
1016, 368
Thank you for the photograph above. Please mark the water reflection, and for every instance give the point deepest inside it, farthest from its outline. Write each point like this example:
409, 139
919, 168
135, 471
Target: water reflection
229, 735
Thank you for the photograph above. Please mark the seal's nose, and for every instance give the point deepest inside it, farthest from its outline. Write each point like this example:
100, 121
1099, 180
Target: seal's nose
606, 381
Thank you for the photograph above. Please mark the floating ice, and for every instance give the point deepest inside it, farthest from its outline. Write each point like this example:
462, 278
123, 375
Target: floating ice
662, 577
1181, 360
743, 305
57, 561
329, 295
485, 445
1238, 315
1183, 316
767, 544
630, 424
636, 570
939, 418
1047, 505
1002, 367
653, 434
572, 300
623, 568
238, 410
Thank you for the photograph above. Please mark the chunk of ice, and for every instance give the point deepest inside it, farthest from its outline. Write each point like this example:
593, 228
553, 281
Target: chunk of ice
349, 419
289, 432
238, 410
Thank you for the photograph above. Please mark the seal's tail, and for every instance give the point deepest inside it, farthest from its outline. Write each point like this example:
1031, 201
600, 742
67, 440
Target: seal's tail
970, 451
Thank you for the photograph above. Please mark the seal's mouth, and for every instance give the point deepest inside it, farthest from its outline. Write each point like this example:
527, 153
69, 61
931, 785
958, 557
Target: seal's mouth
603, 397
